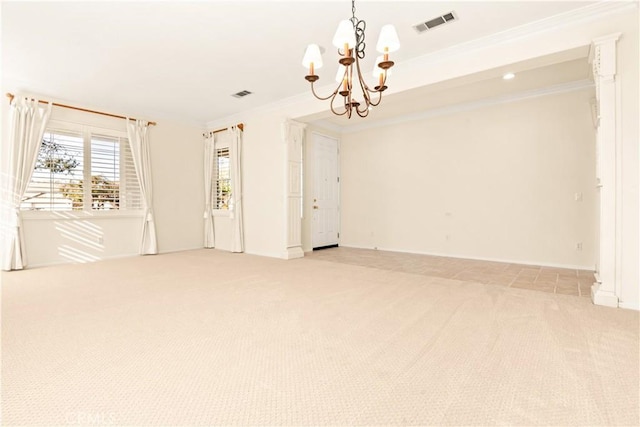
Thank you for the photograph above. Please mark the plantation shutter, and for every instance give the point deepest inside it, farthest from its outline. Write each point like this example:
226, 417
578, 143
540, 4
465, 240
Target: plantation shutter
114, 184
223, 179
57, 181
132, 193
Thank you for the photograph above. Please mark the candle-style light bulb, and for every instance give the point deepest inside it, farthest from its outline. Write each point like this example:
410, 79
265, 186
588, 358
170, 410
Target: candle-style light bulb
388, 41
312, 58
345, 35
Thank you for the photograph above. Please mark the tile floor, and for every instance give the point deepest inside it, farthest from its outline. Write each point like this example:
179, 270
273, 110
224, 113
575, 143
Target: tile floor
543, 279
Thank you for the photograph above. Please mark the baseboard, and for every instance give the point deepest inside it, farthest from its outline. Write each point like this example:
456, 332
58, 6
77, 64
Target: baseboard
119, 256
264, 254
50, 264
476, 258
630, 305
169, 251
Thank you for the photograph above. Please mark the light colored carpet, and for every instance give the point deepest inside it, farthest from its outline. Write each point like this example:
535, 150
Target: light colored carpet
208, 337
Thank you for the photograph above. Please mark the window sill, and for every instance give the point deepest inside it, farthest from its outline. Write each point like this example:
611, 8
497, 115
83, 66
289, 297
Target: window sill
221, 213
74, 215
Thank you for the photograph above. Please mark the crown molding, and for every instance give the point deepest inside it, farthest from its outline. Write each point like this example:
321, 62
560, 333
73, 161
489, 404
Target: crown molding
282, 104
474, 105
573, 17
326, 125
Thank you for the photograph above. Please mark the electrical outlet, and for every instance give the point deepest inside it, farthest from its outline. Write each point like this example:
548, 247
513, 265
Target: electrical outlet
577, 197
579, 246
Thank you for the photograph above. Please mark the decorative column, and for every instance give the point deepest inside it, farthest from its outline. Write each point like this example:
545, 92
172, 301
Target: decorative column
602, 57
293, 135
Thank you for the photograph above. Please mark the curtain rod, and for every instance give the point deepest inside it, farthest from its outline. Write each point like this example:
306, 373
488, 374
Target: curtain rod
239, 125
11, 96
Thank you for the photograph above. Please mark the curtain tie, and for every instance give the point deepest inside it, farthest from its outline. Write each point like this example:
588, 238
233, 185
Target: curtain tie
232, 207
149, 216
207, 211
15, 218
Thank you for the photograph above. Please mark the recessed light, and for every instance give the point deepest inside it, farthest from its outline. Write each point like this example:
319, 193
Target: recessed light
508, 76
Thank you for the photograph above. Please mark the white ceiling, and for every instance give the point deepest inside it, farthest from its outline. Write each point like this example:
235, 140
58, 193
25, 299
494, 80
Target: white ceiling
565, 70
183, 60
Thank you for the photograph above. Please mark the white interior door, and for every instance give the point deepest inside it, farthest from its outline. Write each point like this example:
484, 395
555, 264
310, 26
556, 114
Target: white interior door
326, 192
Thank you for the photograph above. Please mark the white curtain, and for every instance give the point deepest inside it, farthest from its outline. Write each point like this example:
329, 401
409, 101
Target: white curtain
209, 173
27, 124
138, 133
235, 203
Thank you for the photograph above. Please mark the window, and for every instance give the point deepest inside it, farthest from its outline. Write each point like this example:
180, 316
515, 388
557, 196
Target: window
83, 170
56, 182
223, 179
114, 184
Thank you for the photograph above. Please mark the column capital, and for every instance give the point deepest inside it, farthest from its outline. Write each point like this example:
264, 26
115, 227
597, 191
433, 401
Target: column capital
602, 56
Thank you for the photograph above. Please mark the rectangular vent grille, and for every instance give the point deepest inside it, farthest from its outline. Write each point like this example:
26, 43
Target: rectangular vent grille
435, 22
241, 94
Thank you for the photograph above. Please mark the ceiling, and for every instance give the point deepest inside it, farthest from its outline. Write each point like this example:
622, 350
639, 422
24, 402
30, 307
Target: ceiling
183, 60
565, 70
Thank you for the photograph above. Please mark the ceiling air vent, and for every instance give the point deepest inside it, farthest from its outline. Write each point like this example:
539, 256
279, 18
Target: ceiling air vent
435, 22
241, 94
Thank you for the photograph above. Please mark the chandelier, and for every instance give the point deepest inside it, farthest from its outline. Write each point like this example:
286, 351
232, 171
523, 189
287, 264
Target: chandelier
349, 39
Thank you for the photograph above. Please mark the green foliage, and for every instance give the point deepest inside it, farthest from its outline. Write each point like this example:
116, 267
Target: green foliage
224, 189
104, 192
55, 158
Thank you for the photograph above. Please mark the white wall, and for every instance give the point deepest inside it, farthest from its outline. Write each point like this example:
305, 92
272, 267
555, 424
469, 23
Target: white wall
177, 151
496, 183
176, 158
629, 174
263, 168
263, 158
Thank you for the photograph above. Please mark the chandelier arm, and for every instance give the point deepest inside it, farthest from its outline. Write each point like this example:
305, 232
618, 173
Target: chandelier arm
333, 110
313, 90
375, 104
347, 105
363, 113
379, 92
363, 83
365, 107
366, 91
348, 100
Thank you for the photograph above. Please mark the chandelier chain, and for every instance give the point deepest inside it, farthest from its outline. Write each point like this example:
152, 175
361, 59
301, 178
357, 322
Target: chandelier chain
360, 26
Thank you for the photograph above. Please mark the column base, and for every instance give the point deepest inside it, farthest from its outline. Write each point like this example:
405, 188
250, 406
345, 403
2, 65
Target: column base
601, 297
293, 253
